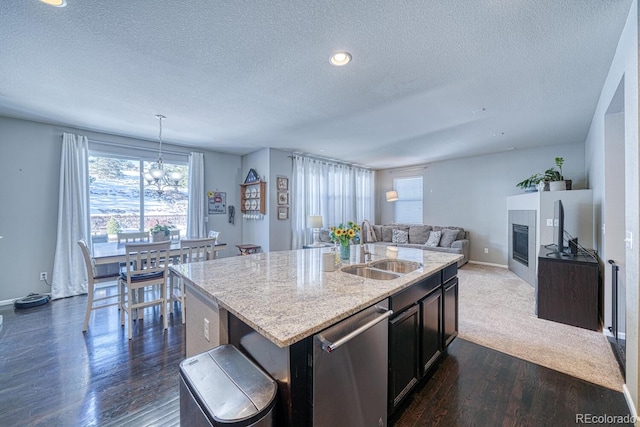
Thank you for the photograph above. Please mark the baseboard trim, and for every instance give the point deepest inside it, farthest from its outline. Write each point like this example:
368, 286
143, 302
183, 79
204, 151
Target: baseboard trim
632, 407
490, 264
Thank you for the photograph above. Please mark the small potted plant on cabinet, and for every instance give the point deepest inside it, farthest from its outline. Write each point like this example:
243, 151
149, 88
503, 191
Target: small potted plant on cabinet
529, 184
555, 178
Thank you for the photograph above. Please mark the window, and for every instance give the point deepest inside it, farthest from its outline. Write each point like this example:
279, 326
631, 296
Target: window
408, 208
336, 191
121, 200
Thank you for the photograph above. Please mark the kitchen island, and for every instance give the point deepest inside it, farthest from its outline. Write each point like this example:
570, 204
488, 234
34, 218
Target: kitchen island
271, 305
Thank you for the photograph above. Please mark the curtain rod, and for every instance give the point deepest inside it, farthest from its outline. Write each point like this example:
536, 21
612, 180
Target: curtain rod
127, 146
328, 161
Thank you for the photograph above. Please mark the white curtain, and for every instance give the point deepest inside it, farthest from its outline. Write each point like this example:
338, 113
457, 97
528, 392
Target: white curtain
337, 192
197, 206
69, 271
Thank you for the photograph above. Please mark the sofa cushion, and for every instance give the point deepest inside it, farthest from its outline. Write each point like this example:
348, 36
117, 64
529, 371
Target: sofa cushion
377, 231
419, 234
387, 231
449, 235
400, 236
434, 239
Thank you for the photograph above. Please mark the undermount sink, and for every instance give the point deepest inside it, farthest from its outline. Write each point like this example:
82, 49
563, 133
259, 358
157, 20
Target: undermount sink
396, 266
369, 273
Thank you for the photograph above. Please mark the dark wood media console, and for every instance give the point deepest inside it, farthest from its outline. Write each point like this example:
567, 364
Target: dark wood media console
569, 289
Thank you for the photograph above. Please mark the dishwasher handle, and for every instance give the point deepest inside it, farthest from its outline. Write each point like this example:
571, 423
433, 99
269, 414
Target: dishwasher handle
331, 346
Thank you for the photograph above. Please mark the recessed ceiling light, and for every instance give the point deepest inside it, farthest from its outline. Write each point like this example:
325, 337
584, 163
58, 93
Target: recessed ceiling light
340, 58
56, 3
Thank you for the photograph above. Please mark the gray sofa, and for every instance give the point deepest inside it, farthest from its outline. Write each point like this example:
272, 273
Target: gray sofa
418, 236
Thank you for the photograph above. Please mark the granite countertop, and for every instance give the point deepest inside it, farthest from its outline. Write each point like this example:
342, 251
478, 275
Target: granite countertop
286, 296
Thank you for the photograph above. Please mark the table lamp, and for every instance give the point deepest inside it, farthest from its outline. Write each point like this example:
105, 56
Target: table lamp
392, 196
315, 222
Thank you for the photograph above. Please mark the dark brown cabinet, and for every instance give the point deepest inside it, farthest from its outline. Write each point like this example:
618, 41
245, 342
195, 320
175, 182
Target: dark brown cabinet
425, 323
450, 310
569, 290
403, 354
432, 345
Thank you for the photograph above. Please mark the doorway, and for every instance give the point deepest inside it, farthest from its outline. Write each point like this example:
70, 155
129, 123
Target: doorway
613, 229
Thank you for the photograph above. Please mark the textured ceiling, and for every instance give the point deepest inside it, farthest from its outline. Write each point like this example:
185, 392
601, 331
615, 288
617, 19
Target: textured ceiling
429, 80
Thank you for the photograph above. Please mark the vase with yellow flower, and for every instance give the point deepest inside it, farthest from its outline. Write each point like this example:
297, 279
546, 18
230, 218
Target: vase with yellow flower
343, 234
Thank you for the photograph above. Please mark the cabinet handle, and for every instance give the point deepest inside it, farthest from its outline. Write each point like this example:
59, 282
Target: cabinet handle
329, 346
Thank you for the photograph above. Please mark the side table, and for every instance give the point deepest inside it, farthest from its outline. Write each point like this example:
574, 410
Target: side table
248, 249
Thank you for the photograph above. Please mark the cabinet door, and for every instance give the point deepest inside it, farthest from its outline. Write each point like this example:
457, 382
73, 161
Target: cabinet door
403, 354
450, 315
431, 348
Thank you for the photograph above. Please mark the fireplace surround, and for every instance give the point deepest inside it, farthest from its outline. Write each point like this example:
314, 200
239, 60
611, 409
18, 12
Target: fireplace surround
522, 244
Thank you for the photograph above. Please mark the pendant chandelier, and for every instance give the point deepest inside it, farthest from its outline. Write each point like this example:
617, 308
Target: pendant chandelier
156, 175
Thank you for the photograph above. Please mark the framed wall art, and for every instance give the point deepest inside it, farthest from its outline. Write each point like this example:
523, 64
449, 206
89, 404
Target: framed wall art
283, 183
283, 212
283, 198
217, 202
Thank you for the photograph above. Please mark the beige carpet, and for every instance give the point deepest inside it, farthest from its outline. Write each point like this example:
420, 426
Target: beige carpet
497, 310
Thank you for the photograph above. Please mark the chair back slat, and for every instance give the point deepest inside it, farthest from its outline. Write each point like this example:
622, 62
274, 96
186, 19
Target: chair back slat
133, 236
146, 258
193, 250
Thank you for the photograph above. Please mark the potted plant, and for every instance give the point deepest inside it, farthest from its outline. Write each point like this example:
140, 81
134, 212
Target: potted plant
160, 232
555, 178
343, 234
529, 184
113, 228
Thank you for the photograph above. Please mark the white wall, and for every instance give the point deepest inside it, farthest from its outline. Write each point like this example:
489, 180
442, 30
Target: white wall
624, 66
254, 231
472, 192
270, 233
280, 233
29, 199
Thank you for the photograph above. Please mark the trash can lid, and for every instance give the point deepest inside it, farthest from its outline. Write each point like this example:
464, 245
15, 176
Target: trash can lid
229, 387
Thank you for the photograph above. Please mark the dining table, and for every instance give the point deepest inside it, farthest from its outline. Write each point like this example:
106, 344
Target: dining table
114, 252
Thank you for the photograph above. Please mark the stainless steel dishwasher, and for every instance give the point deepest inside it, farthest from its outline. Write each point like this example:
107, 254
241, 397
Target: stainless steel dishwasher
350, 364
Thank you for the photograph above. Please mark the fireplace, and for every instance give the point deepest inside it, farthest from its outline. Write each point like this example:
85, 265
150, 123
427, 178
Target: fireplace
521, 244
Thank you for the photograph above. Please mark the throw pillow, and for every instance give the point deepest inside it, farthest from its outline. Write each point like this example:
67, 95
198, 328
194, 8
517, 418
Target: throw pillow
419, 234
387, 233
434, 239
449, 235
400, 236
377, 230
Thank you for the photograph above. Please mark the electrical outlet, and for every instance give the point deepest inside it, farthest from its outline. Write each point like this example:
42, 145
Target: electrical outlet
206, 329
486, 250
549, 222
43, 276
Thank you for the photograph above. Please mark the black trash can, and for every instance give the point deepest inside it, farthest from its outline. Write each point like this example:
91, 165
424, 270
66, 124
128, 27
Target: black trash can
222, 387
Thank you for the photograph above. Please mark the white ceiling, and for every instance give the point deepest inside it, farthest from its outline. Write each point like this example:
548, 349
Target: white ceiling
430, 80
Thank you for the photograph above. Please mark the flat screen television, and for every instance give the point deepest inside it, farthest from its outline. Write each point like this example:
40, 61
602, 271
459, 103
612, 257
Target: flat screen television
558, 226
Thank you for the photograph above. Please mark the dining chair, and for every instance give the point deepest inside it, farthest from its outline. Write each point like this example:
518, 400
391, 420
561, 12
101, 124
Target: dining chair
94, 302
191, 250
145, 276
174, 235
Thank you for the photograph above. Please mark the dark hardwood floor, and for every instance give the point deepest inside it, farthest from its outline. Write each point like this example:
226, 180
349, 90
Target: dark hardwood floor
52, 374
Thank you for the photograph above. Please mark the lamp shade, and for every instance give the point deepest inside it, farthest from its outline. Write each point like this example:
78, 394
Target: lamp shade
392, 196
314, 221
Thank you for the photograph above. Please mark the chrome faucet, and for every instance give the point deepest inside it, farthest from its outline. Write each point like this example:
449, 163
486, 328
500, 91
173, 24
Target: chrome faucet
364, 250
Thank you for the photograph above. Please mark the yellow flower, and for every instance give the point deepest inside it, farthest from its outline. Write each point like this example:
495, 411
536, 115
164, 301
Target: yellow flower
210, 193
343, 233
